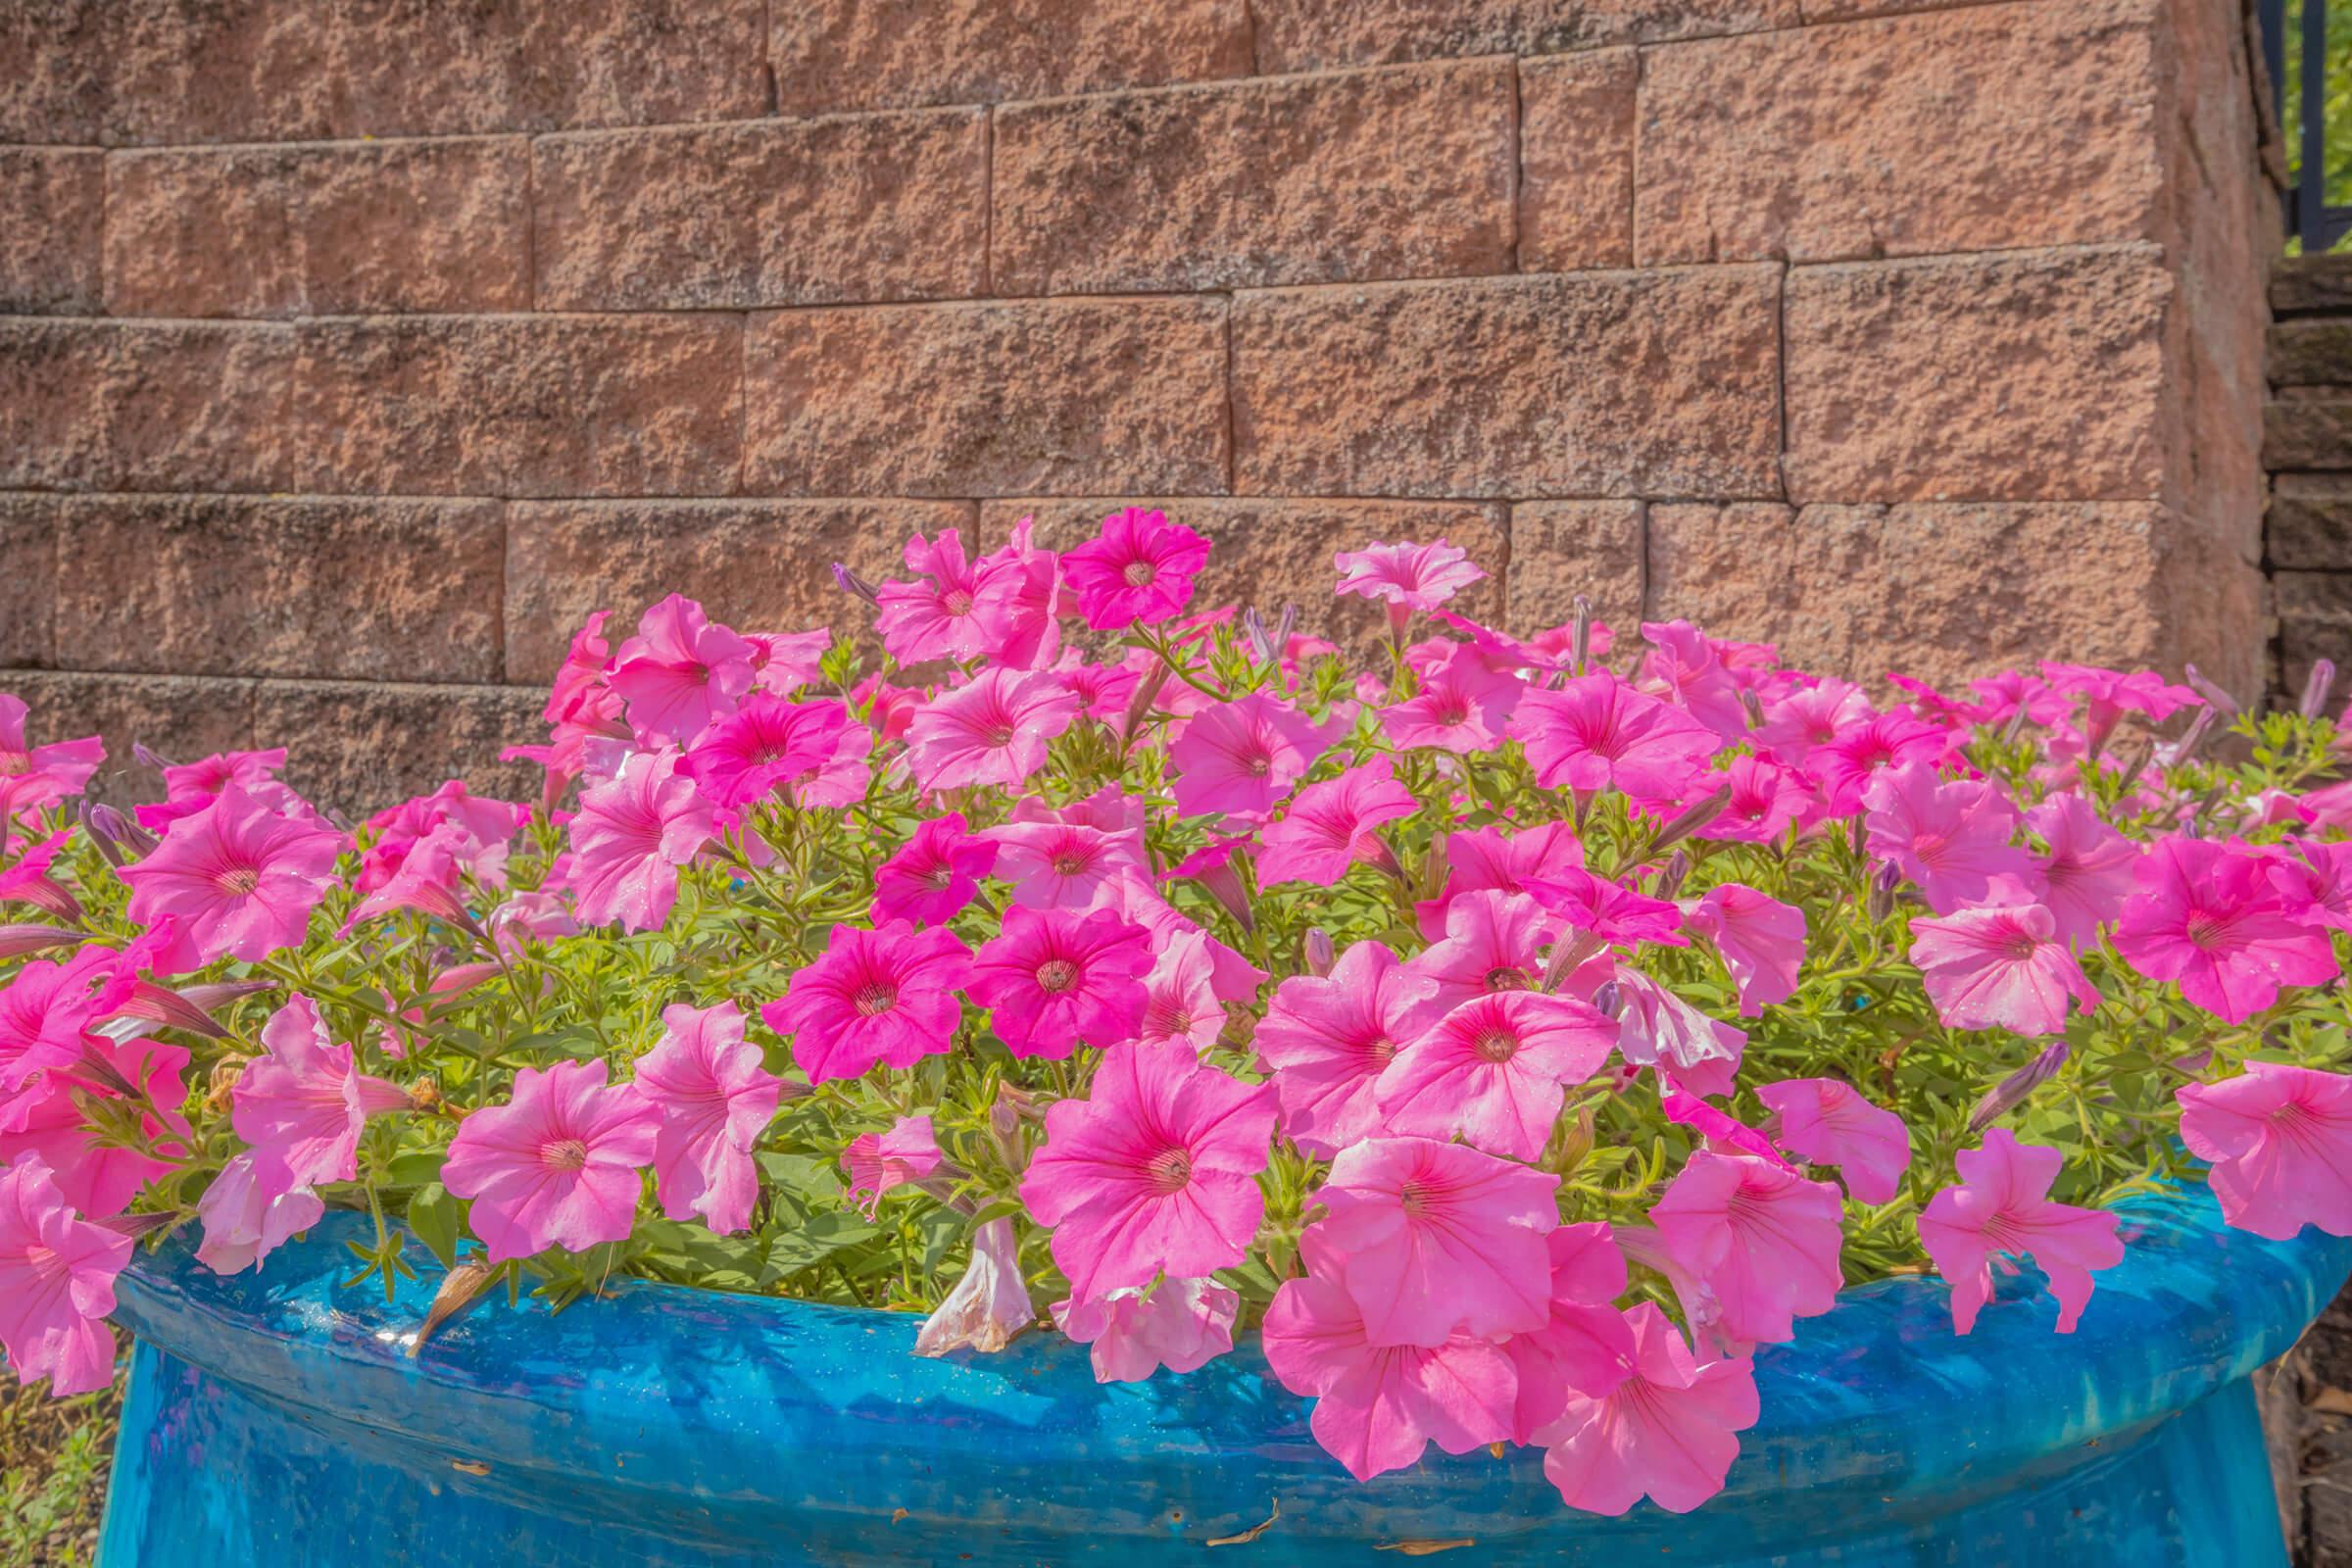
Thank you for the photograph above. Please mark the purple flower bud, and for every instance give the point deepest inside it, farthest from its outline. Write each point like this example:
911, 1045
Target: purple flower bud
117, 836
1691, 818
856, 586
1580, 640
1881, 891
1254, 626
2316, 688
1147, 692
18, 940
138, 749
1670, 880
2199, 728
1283, 629
1609, 999
2007, 1095
1315, 951
1753, 706
2135, 762
2209, 691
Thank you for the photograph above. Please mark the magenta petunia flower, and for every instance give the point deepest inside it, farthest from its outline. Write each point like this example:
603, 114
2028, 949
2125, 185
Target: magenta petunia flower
1765, 799
877, 1162
39, 775
994, 730
57, 1283
632, 833
750, 754
1379, 1406
1485, 858
885, 996
2109, 694
1154, 1171
1180, 1002
557, 1165
1244, 755
1845, 766
426, 877
953, 608
1607, 912
1765, 1239
1586, 1350
1683, 667
241, 878
477, 829
2086, 875
1655, 1028
1053, 981
1436, 1237
679, 672
1407, 576
1596, 733
1721, 1131
304, 1099
1334, 824
1328, 1040
1139, 567
1804, 720
715, 1098
2209, 917
1182, 1325
1462, 707
47, 1009
1665, 1433
1053, 864
1760, 940
2279, 1141
1025, 597
1951, 839
1827, 1122
934, 874
50, 1117
253, 1207
1494, 1071
2002, 1205
1999, 969
1495, 941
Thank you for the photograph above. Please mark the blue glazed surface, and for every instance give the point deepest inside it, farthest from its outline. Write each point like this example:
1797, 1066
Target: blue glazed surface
274, 1418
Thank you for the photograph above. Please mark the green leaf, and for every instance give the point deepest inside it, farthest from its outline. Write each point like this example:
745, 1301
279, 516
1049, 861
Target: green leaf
826, 1234
436, 1219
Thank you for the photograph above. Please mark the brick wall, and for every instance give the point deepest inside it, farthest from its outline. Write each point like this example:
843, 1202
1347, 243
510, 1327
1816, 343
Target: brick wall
356, 348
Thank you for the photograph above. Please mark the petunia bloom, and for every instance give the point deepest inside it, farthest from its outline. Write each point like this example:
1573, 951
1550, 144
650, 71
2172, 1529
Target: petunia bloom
1407, 576
680, 671
250, 1210
632, 833
762, 746
57, 1283
954, 608
885, 996
1828, 1122
2002, 1205
305, 1101
1655, 1028
1608, 912
558, 1164
40, 775
1328, 1040
717, 1099
934, 874
1665, 1432
2086, 874
1462, 706
1180, 1002
2209, 917
1844, 766
1494, 941
989, 1307
239, 878
994, 730
1182, 1325
1495, 1070
1999, 969
1052, 980
1154, 1172
1244, 755
1950, 839
1488, 857
1760, 940
1139, 568
877, 1162
1765, 1239
1333, 824
1765, 799
1585, 1350
1596, 733
1054, 864
2279, 1141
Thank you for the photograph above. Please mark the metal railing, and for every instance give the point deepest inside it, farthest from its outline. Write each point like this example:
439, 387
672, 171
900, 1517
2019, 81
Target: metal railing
2308, 215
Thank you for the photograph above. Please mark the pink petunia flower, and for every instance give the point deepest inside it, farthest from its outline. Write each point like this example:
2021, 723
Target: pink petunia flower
1828, 1122
953, 608
2279, 1141
1328, 1040
989, 1307
1586, 1350
1487, 858
1180, 1002
253, 1207
1154, 1171
632, 833
1133, 899
1139, 568
1765, 799
426, 877
57, 1283
1609, 912
1407, 576
1378, 1407
1720, 1130
558, 1164
240, 879
679, 672
1763, 1237
885, 996
995, 730
877, 1162
715, 1098
1806, 719
1495, 1070
47, 1009
51, 1114
1182, 1325
1683, 668
1244, 755
2209, 917
1760, 940
766, 744
1665, 1433
1334, 824
1025, 600
786, 661
934, 874
1844, 767
1598, 734
305, 1101
1436, 1237
477, 829
1463, 706
1655, 1028
2110, 693
2003, 1206
2086, 874
1053, 864
1950, 839
1054, 981
1494, 942
39, 775
1999, 969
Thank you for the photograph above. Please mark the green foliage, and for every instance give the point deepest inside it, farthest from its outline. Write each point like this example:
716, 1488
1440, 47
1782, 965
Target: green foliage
53, 1463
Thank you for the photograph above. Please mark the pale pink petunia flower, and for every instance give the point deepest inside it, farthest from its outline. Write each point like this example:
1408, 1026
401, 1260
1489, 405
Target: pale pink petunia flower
1609, 912
1802, 721
632, 833
1586, 1350
2279, 1141
1665, 1433
1827, 1122
1760, 940
1333, 824
2086, 874
762, 746
57, 1283
786, 661
1598, 734
953, 608
934, 874
1154, 1172
1765, 1239
1494, 941
877, 1162
1182, 1325
1999, 969
1655, 1028
241, 878
1462, 707
1491, 857
50, 1115
1765, 799
1054, 980
305, 1099
2108, 695
1494, 1071
2209, 917
1950, 839
253, 1206
558, 1164
1133, 899
994, 730
1846, 764
1683, 667
2002, 1205
1407, 576
989, 1307
1137, 569
1244, 755
679, 672
1437, 1237
1061, 866
717, 1097
885, 996
1328, 1040
1180, 1002
40, 775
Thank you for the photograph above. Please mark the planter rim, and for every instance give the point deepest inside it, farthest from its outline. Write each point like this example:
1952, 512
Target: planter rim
737, 1413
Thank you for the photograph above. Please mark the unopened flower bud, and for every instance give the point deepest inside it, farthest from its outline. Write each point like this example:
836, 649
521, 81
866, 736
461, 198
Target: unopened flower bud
1691, 818
1580, 637
147, 757
1146, 693
15, 941
1608, 998
2007, 1095
1284, 628
2199, 728
1315, 951
1753, 706
854, 586
1253, 627
2209, 691
136, 1226
1670, 880
2316, 688
1881, 891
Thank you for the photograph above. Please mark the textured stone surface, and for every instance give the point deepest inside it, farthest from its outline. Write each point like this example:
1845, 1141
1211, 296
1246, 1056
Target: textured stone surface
832, 55
758, 566
2014, 377
1393, 174
396, 740
27, 581
2315, 622
52, 214
182, 718
420, 225
2309, 525
1981, 128
521, 406
1316, 35
242, 586
1276, 553
1065, 397
1561, 549
2311, 352
1946, 591
166, 71
1650, 383
2321, 282
2308, 432
1575, 158
864, 207
179, 406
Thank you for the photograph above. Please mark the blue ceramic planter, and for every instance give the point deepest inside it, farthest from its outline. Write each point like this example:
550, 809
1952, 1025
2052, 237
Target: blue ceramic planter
279, 1420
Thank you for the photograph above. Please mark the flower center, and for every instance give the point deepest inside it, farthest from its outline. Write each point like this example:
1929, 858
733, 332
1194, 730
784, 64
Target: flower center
239, 881
1069, 863
1505, 977
1413, 1198
1452, 710
2207, 930
875, 998
1380, 1052
1169, 1171
13, 763
1139, 574
998, 735
2022, 947
1056, 975
1496, 1044
938, 878
956, 601
1258, 766
564, 1154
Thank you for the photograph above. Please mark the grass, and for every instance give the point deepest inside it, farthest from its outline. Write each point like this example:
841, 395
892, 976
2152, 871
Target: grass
53, 1462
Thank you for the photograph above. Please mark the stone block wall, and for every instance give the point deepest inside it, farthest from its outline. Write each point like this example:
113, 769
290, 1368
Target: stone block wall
353, 349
